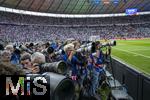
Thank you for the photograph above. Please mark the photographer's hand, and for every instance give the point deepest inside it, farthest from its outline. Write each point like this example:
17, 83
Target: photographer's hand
71, 54
35, 69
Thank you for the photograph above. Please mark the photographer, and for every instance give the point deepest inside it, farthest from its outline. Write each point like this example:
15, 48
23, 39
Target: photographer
86, 90
83, 72
37, 60
99, 61
15, 54
82, 67
5, 56
9, 48
72, 61
96, 66
28, 66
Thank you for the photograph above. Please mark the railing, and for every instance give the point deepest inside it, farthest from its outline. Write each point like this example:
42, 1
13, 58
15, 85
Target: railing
138, 84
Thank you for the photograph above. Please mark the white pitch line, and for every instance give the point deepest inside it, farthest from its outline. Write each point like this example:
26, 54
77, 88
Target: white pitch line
140, 50
133, 53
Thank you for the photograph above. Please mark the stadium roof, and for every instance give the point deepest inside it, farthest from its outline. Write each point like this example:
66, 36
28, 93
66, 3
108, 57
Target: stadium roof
77, 6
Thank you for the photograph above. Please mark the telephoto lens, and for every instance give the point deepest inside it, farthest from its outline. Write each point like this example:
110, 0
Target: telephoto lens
61, 87
24, 48
56, 86
56, 67
84, 49
111, 43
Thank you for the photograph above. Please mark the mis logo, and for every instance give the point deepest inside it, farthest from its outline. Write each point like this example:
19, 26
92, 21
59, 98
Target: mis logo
31, 85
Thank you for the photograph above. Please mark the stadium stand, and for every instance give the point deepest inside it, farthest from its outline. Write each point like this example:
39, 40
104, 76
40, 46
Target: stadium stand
15, 27
59, 48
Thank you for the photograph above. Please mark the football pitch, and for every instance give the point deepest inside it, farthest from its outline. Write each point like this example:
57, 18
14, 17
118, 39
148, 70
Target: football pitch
135, 53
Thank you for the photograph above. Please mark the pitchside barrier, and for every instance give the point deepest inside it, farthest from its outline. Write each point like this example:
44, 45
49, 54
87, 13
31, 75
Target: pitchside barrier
137, 84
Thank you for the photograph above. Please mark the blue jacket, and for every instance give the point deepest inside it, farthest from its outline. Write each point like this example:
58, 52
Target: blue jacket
15, 59
99, 61
100, 58
54, 45
73, 63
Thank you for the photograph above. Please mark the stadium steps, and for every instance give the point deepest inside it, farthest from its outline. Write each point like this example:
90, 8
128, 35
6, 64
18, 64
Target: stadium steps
120, 94
113, 83
108, 74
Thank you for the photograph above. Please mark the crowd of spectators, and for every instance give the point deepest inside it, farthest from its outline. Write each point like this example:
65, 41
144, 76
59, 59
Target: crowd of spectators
23, 28
27, 33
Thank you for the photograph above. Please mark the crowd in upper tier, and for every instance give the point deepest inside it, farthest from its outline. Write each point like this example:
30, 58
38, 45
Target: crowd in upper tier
25, 28
28, 33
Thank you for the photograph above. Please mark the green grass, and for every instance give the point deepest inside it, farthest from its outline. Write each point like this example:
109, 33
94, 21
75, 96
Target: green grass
135, 53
